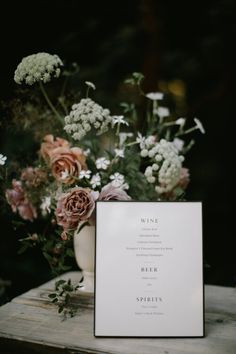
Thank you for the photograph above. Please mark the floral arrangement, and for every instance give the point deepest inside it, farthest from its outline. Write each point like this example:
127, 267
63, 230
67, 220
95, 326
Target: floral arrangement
92, 154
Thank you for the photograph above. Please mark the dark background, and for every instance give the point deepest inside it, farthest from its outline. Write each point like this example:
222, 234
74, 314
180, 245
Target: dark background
166, 40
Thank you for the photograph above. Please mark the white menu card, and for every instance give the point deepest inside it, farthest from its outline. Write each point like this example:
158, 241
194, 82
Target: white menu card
149, 269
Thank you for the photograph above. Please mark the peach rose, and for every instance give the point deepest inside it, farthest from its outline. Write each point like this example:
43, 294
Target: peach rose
34, 176
75, 206
18, 201
66, 164
49, 144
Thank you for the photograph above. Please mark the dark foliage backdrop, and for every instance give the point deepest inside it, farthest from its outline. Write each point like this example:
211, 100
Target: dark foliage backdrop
185, 47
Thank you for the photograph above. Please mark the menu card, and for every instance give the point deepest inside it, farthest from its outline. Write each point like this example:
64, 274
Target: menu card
149, 269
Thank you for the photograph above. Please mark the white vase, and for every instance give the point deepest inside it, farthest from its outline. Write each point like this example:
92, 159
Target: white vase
84, 247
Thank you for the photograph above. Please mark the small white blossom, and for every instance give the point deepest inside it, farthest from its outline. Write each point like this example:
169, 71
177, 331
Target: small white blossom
199, 125
141, 140
120, 153
84, 174
180, 121
102, 163
155, 96
117, 179
95, 180
38, 67
2, 160
178, 143
123, 137
162, 112
87, 152
125, 186
150, 140
90, 84
46, 205
119, 120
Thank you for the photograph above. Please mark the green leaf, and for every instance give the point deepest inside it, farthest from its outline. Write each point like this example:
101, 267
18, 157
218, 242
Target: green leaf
70, 252
60, 309
23, 249
52, 296
59, 282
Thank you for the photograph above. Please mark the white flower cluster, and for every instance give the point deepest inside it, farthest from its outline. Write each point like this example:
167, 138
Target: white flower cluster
166, 167
38, 67
85, 115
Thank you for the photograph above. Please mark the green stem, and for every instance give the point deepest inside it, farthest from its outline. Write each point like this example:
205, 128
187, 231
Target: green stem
187, 131
64, 86
118, 129
132, 143
49, 102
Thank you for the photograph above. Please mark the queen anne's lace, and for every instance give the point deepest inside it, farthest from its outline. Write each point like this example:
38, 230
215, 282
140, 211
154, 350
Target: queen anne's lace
38, 67
85, 115
165, 171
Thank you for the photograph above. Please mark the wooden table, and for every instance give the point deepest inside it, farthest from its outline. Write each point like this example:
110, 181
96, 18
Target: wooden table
31, 324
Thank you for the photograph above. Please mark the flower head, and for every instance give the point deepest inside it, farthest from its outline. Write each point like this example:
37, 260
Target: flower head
117, 179
123, 137
141, 140
75, 206
180, 122
38, 67
86, 115
119, 120
162, 112
66, 164
166, 170
49, 144
84, 174
46, 205
120, 152
34, 176
90, 84
102, 163
155, 96
95, 180
111, 192
199, 125
178, 143
18, 201
2, 159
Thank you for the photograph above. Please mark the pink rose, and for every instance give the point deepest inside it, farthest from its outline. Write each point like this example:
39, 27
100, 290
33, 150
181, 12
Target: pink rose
110, 192
66, 164
15, 196
184, 178
49, 144
75, 206
27, 211
18, 201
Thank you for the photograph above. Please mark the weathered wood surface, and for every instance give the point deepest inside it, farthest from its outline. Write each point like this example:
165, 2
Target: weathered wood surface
31, 324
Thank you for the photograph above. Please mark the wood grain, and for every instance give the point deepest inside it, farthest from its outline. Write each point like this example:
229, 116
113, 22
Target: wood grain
31, 324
